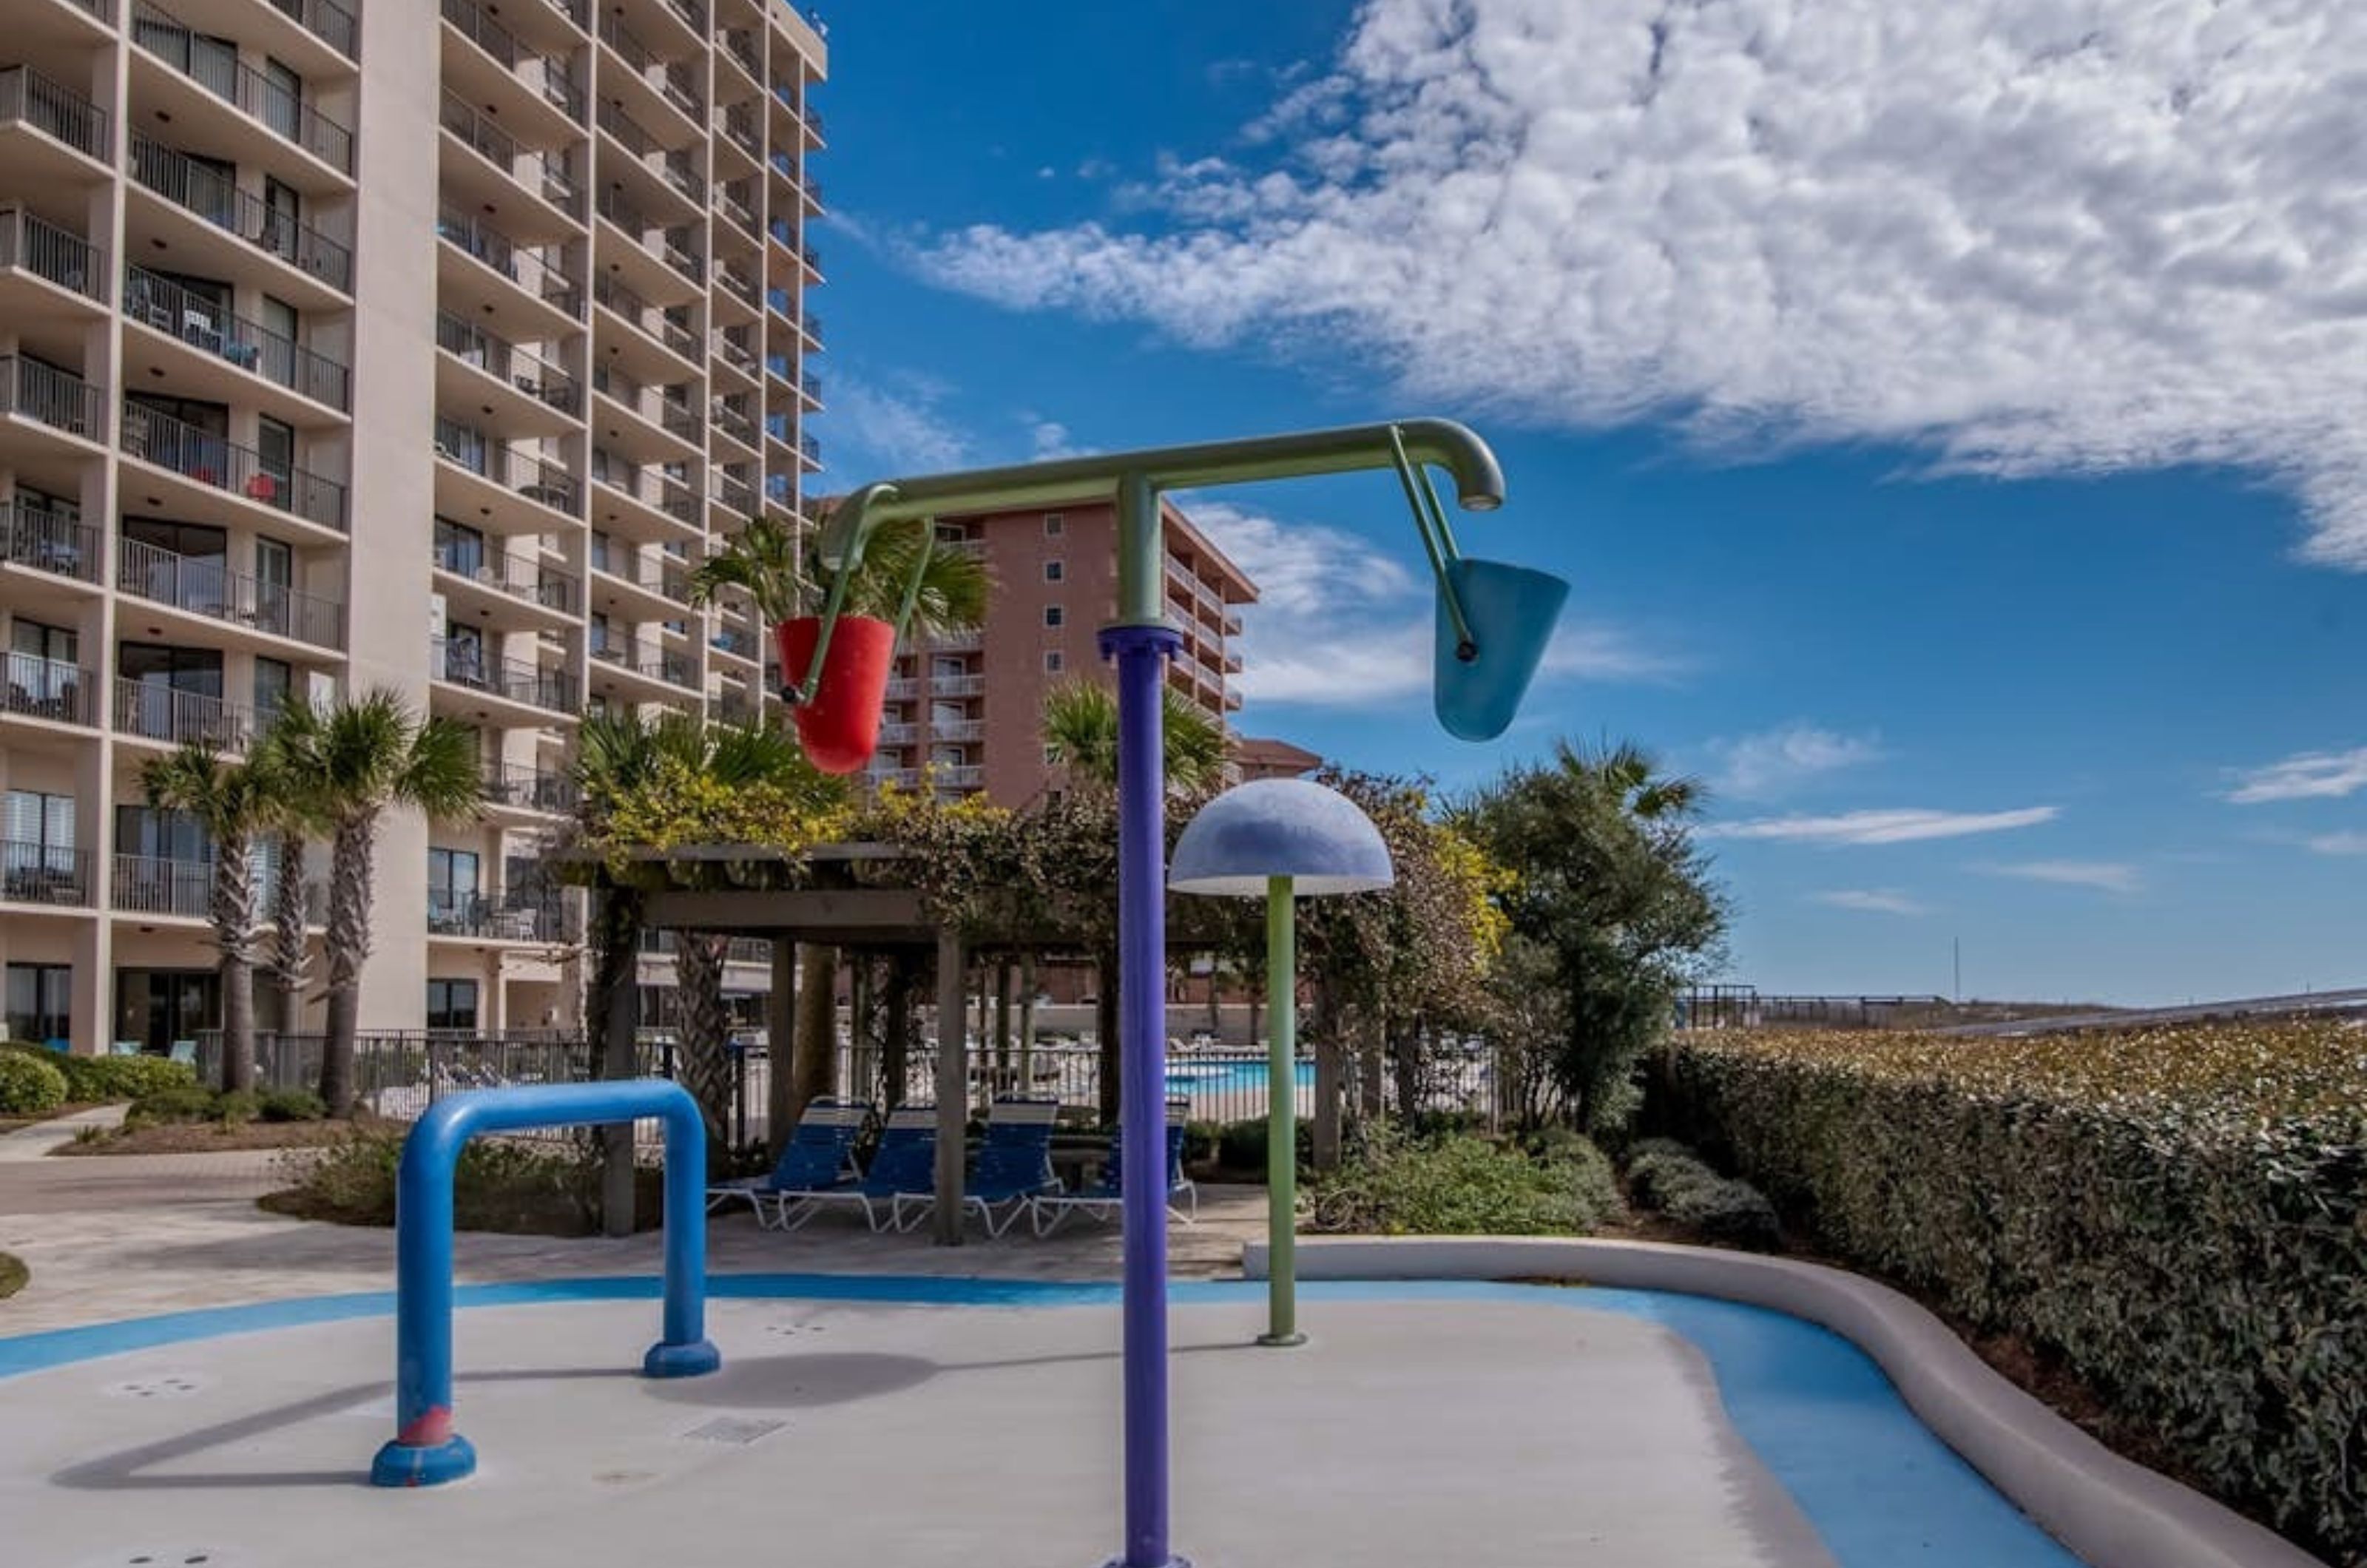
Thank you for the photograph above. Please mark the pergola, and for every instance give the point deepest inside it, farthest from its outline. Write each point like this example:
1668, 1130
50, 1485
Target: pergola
819, 896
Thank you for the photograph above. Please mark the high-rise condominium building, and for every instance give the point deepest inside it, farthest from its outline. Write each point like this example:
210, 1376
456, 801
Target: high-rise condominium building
426, 345
967, 712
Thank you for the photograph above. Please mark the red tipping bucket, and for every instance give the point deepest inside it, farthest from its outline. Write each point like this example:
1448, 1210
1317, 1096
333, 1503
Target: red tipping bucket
840, 728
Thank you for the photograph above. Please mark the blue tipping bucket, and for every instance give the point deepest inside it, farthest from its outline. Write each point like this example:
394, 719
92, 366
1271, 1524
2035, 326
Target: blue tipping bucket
1512, 611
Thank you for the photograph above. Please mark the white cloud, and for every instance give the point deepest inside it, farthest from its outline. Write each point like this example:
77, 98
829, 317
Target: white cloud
1776, 760
1872, 901
896, 433
2112, 876
1899, 826
2346, 843
1048, 438
1339, 624
2036, 237
2310, 775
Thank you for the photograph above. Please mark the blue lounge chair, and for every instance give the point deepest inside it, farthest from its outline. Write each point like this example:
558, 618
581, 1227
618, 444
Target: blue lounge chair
1102, 1201
904, 1166
1012, 1166
820, 1159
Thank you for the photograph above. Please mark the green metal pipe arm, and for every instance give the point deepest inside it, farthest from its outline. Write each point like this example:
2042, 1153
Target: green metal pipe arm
1478, 481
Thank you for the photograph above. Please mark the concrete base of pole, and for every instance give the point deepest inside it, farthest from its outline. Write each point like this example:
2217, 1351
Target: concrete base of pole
1282, 1341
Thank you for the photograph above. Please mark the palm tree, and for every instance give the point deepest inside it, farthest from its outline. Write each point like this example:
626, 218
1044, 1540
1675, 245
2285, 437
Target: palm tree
1630, 778
232, 802
1081, 731
290, 961
355, 760
782, 574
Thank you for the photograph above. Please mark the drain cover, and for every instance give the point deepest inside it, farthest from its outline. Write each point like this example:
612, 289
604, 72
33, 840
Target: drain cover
166, 1386
734, 1430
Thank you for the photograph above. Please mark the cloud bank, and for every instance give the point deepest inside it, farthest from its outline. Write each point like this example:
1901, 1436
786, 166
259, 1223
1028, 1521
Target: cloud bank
2028, 236
1903, 825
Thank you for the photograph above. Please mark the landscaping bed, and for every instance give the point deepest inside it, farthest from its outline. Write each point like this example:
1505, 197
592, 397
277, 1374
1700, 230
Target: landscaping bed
187, 1118
510, 1186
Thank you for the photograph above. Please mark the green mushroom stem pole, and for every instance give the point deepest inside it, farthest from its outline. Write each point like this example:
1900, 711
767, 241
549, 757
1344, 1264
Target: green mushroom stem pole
1282, 1117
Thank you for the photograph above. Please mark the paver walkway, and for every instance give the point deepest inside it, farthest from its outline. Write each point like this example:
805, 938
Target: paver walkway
126, 1235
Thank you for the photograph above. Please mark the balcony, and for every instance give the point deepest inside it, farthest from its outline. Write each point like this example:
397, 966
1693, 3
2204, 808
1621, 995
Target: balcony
33, 245
510, 788
673, 165
671, 244
200, 586
734, 494
540, 74
737, 423
957, 776
329, 22
468, 665
740, 45
958, 729
145, 885
161, 304
667, 81
29, 100
214, 198
735, 202
521, 578
45, 541
544, 174
210, 461
740, 129
54, 875
956, 685
734, 642
539, 481
492, 919
48, 688
148, 710
672, 498
650, 663
532, 267
646, 317
519, 369
159, 33
45, 395
667, 408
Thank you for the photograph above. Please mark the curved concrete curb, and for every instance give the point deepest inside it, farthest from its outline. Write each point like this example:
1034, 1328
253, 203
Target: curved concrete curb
2111, 1512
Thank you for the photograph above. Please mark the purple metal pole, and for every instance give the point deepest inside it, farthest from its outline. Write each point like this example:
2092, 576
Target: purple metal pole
1142, 652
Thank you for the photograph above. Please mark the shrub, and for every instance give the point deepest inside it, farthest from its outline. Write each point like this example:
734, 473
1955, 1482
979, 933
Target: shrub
98, 1078
1666, 1175
13, 1275
29, 1085
2181, 1214
290, 1105
1391, 1185
177, 1103
498, 1184
1241, 1145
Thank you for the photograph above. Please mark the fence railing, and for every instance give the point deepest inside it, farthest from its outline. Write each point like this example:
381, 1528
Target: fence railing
145, 885
331, 23
208, 587
547, 174
40, 247
53, 109
529, 476
532, 267
528, 789
49, 396
492, 916
48, 688
211, 459
206, 191
157, 712
227, 78
649, 318
161, 303
520, 577
529, 372
44, 873
466, 664
48, 541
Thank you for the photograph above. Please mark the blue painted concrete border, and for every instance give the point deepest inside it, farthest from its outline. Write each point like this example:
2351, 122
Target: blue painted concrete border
1881, 1490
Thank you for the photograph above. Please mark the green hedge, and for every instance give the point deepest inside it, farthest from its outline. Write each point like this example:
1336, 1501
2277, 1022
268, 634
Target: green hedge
2180, 1214
1392, 1184
91, 1080
1669, 1179
29, 1086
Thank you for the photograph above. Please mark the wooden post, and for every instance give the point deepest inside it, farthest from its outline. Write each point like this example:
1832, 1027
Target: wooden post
953, 1085
816, 1058
897, 1054
780, 1043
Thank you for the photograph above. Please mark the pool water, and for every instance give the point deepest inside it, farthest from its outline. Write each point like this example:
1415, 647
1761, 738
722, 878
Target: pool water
1227, 1075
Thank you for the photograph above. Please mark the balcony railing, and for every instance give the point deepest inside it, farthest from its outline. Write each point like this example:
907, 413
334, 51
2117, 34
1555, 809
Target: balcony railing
956, 775
532, 477
207, 587
233, 80
44, 249
47, 541
735, 641
48, 688
206, 191
466, 664
526, 789
47, 395
735, 422
551, 77
691, 12
735, 492
478, 915
740, 45
545, 173
530, 267
157, 712
675, 167
54, 109
956, 685
656, 404
331, 23
734, 203
161, 303
210, 459
657, 663
670, 496
146, 884
737, 354
672, 243
44, 873
529, 372
521, 577
617, 297
742, 128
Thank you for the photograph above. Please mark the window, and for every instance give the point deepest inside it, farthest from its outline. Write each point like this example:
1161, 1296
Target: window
451, 888
274, 680
275, 448
948, 667
40, 1001
152, 834
176, 563
53, 645
283, 211
283, 99
192, 669
39, 831
452, 1004
1053, 525
1054, 616
1053, 662
460, 548
1054, 571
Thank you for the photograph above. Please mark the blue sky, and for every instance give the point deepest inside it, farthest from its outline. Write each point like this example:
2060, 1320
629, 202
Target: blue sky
1947, 416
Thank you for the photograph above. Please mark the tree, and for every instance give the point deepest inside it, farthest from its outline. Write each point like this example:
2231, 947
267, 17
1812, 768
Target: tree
232, 802
290, 961
354, 760
1606, 879
1080, 733
781, 573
